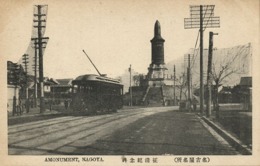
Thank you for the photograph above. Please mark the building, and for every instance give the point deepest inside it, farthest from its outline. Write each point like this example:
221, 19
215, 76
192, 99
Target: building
15, 82
246, 92
62, 88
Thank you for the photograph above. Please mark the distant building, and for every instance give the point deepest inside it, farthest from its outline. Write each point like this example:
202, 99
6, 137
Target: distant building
15, 81
62, 88
246, 92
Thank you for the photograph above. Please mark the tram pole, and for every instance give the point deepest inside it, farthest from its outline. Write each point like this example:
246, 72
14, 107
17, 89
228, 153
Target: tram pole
130, 88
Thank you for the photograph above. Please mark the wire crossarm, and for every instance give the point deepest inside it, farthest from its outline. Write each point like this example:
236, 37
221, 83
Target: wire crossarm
209, 20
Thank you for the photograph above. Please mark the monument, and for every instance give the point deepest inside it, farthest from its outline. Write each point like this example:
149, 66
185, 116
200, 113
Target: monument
157, 86
157, 72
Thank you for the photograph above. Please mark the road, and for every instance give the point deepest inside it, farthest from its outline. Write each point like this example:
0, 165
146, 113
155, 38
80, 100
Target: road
142, 131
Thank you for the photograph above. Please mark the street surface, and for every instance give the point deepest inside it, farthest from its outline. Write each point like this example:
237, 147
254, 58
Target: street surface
140, 131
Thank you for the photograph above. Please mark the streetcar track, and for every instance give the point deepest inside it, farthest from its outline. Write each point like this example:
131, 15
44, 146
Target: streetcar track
98, 131
63, 127
91, 134
121, 116
45, 125
39, 145
44, 121
70, 128
35, 123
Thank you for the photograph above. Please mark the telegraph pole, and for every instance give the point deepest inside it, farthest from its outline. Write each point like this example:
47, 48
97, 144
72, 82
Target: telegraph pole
42, 107
25, 62
201, 63
198, 14
36, 66
209, 73
130, 88
188, 83
35, 73
188, 78
40, 43
174, 77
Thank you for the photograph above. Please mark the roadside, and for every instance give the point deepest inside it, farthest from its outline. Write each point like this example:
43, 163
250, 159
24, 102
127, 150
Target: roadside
235, 126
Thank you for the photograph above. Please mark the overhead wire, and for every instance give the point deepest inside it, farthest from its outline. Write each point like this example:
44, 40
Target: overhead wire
195, 56
195, 47
209, 17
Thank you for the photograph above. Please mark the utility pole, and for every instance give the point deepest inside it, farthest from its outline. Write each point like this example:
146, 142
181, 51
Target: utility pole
130, 88
36, 66
209, 73
188, 78
174, 79
39, 15
198, 14
35, 73
201, 63
25, 62
188, 84
182, 84
42, 107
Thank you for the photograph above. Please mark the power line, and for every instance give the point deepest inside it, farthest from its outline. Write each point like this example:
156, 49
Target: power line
194, 56
196, 21
209, 18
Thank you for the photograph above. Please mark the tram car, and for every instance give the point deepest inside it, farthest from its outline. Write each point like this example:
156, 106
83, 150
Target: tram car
94, 93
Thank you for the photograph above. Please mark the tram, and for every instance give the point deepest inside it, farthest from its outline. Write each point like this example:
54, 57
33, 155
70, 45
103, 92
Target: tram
96, 93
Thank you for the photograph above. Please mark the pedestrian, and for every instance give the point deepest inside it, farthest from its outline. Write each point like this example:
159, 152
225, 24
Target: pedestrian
31, 102
14, 105
66, 103
50, 104
194, 104
27, 105
19, 107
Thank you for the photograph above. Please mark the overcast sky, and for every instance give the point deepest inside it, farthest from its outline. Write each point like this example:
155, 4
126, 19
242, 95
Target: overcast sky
117, 33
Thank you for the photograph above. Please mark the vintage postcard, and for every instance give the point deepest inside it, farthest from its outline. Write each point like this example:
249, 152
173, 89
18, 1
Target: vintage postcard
133, 82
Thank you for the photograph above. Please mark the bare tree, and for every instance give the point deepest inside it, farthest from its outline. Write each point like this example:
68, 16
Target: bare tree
233, 62
136, 79
181, 82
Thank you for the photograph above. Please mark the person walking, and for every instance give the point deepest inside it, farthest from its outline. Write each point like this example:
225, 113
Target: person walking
50, 104
194, 104
27, 105
66, 103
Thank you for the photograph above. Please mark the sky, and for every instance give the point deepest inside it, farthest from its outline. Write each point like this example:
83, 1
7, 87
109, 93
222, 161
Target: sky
117, 33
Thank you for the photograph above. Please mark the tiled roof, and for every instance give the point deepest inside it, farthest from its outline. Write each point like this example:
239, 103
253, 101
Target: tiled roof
63, 82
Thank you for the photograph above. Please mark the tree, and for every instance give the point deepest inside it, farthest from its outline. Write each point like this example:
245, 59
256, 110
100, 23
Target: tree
181, 82
231, 62
136, 79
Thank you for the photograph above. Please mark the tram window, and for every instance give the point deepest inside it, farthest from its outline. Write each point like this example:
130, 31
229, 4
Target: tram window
75, 89
81, 88
78, 88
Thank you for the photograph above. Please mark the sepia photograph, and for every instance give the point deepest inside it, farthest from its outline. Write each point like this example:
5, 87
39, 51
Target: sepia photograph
132, 82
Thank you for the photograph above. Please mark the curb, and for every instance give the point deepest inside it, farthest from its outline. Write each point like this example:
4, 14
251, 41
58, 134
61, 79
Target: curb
234, 142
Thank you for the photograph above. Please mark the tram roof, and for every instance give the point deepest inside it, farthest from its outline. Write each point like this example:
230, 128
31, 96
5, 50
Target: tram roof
93, 77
